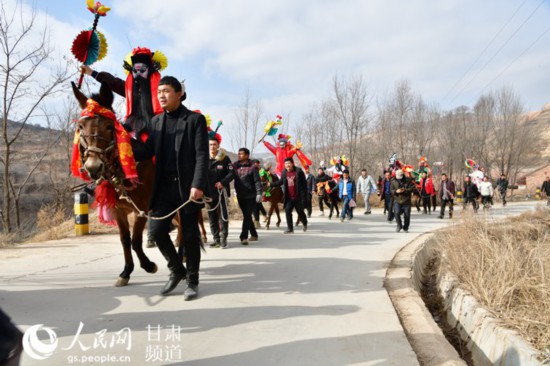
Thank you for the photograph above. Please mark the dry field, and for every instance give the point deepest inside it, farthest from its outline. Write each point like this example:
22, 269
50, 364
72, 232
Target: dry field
506, 266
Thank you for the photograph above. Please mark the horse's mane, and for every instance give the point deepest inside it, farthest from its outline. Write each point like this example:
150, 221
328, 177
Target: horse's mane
102, 102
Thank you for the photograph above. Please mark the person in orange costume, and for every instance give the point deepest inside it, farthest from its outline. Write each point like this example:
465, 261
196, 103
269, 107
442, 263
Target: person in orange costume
286, 150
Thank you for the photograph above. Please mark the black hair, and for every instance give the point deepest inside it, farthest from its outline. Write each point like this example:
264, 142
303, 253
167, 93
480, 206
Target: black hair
172, 81
443, 174
289, 159
345, 171
255, 161
244, 150
363, 170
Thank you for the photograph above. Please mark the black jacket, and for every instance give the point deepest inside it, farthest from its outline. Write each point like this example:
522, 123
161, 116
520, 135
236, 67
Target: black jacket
247, 179
191, 152
219, 168
502, 184
470, 190
301, 185
403, 198
546, 187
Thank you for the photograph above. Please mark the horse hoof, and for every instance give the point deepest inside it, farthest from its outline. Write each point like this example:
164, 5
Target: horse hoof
267, 227
155, 269
278, 224
121, 282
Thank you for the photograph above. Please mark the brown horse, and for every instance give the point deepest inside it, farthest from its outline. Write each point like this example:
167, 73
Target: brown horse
100, 160
275, 197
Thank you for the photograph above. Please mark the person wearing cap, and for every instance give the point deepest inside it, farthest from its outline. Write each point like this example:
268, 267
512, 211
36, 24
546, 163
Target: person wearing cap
218, 182
178, 139
294, 185
311, 187
401, 188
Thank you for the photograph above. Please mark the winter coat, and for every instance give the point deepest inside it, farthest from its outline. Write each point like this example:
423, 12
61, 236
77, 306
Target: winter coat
350, 188
450, 189
301, 185
429, 188
366, 185
470, 190
486, 189
502, 185
218, 171
247, 179
403, 198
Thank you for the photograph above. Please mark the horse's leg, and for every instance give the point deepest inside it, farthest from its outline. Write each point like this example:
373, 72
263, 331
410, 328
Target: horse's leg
137, 245
125, 239
201, 226
278, 215
268, 216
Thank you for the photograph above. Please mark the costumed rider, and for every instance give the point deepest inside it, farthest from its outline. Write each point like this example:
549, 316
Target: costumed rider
140, 87
218, 184
339, 165
285, 150
142, 68
394, 164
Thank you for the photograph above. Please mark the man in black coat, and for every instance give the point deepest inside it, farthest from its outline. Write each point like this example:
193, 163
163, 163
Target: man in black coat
219, 170
311, 188
470, 193
294, 185
546, 190
249, 192
179, 141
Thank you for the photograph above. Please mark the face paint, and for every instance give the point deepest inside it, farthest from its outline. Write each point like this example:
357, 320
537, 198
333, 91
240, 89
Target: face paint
282, 144
140, 70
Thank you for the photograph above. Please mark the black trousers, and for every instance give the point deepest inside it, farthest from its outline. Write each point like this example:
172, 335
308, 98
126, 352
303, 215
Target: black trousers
388, 207
9, 334
292, 204
168, 200
323, 198
259, 208
309, 207
247, 207
427, 203
471, 200
217, 222
404, 210
444, 204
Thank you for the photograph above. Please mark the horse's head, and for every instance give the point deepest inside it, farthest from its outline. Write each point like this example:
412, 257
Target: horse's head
96, 126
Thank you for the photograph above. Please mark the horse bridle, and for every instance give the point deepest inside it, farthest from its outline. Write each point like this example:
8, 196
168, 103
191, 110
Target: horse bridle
102, 154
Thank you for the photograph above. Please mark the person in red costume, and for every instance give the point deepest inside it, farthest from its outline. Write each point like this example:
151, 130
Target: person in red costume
286, 150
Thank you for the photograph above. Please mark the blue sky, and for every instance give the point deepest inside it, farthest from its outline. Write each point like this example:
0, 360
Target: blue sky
286, 52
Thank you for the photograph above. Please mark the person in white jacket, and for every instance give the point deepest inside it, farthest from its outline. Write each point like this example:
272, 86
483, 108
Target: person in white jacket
366, 186
486, 190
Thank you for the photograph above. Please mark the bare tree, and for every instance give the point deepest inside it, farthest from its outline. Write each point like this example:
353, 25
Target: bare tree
24, 49
248, 115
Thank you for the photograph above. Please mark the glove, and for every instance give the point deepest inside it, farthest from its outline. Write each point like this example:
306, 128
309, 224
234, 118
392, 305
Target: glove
259, 198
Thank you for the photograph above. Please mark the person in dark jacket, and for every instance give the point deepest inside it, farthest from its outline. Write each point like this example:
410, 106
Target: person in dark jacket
401, 189
218, 176
311, 187
346, 192
294, 185
321, 177
471, 193
249, 192
446, 194
386, 196
178, 139
502, 187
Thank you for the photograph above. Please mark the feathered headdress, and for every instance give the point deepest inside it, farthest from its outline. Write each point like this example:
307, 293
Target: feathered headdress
157, 60
213, 134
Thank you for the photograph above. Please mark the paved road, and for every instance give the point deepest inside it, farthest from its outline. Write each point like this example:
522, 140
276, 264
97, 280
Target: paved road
312, 298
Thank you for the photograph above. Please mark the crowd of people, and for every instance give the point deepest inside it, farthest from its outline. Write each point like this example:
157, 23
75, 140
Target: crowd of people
192, 168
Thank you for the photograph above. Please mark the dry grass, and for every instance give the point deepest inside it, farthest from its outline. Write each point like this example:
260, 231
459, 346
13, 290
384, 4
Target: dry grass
506, 266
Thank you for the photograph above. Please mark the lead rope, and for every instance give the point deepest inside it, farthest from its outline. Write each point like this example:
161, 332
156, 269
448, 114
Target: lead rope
205, 200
